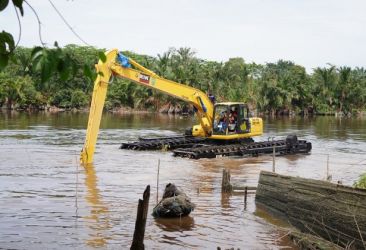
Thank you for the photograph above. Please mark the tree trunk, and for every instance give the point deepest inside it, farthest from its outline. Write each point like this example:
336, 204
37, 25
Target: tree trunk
9, 103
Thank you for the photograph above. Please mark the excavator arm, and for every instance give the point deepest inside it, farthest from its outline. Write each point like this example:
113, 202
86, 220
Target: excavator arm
119, 65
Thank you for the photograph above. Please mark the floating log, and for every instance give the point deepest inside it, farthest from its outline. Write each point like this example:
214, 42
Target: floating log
334, 212
142, 209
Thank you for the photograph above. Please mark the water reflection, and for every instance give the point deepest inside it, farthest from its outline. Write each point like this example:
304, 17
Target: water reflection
185, 223
98, 221
225, 200
274, 219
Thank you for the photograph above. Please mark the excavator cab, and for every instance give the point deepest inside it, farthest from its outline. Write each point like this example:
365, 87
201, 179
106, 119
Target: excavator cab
230, 119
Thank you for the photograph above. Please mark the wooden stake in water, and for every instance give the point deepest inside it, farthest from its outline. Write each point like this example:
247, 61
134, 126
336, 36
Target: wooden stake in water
157, 183
226, 186
245, 197
140, 224
274, 159
327, 177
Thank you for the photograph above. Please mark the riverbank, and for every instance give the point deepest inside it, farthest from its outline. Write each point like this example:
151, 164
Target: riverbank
176, 110
54, 109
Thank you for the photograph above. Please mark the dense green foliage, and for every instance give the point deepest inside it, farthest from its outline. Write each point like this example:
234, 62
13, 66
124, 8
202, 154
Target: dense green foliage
274, 87
29, 80
361, 183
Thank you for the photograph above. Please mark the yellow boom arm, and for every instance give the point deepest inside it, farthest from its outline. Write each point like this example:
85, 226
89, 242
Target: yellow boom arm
119, 65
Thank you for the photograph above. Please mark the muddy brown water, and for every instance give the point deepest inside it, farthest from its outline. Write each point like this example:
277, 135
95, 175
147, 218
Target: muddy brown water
47, 201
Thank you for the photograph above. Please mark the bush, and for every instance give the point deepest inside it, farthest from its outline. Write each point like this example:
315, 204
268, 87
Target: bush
62, 98
29, 96
79, 99
361, 183
67, 98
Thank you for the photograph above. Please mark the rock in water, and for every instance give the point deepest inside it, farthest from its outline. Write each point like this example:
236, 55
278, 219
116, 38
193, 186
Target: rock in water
174, 203
171, 190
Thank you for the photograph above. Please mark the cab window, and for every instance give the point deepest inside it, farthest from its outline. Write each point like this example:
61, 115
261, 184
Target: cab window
220, 119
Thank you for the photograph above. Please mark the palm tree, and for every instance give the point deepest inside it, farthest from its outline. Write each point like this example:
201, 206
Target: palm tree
325, 82
343, 88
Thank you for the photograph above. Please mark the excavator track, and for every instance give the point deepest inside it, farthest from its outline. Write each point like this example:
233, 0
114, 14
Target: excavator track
281, 147
163, 142
196, 148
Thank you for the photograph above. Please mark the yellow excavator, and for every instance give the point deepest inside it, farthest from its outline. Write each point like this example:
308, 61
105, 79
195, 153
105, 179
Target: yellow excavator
223, 129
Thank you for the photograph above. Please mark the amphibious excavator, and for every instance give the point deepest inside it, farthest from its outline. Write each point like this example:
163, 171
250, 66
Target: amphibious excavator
224, 129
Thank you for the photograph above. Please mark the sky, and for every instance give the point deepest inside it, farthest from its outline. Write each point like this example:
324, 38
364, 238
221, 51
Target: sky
311, 33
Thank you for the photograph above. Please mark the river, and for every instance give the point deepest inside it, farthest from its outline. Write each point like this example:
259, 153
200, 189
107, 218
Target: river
48, 201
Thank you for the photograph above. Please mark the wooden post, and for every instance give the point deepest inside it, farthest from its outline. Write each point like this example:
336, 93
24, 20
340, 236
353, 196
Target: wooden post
327, 177
274, 159
157, 183
245, 197
138, 235
226, 187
